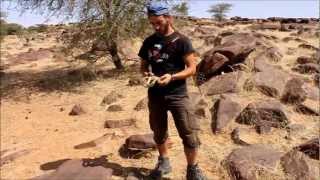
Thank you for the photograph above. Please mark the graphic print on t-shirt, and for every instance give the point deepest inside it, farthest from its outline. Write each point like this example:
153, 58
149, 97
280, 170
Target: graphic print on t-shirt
156, 55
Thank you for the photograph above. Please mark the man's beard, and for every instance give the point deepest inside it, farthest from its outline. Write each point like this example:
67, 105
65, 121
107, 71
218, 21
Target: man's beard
165, 29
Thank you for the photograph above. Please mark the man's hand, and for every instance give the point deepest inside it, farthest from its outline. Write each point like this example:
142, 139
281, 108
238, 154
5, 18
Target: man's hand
164, 80
147, 74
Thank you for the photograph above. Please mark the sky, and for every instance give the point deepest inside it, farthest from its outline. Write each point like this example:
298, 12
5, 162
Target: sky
198, 8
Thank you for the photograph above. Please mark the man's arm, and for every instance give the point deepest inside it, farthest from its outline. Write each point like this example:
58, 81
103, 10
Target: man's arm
190, 61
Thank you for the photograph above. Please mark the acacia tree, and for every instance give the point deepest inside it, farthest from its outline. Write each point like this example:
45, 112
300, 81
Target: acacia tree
113, 18
181, 9
219, 10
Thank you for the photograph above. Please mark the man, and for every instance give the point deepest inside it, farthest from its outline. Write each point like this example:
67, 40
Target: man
172, 59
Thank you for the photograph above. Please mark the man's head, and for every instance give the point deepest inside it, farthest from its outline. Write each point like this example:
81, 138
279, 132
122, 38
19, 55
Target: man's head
159, 17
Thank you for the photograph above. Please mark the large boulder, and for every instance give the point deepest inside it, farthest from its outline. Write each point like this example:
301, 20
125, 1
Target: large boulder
305, 60
272, 54
225, 83
199, 106
307, 68
312, 92
270, 113
244, 163
234, 49
140, 141
308, 46
294, 93
299, 167
77, 169
210, 64
261, 64
115, 108
308, 107
237, 47
271, 81
224, 111
310, 148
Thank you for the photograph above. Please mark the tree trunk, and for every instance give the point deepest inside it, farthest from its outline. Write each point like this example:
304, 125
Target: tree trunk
113, 49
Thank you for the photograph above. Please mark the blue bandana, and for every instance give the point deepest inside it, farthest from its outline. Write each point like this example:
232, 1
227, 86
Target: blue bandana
157, 8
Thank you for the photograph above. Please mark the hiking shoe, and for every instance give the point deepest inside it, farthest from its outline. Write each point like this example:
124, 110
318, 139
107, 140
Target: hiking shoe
195, 173
163, 167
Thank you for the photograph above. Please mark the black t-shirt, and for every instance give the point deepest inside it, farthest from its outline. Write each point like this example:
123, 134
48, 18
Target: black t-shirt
165, 55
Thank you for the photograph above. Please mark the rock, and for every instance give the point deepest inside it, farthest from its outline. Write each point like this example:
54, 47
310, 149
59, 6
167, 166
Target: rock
226, 33
233, 50
271, 113
244, 163
142, 104
112, 97
119, 123
76, 110
263, 128
235, 136
209, 66
316, 79
295, 128
261, 64
273, 54
217, 41
199, 106
310, 148
225, 83
299, 166
237, 47
316, 56
312, 92
287, 39
209, 40
76, 170
308, 107
115, 108
293, 92
307, 68
225, 110
271, 82
144, 141
305, 60
308, 46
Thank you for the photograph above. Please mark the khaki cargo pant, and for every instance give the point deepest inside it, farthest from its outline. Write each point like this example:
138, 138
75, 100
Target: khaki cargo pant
184, 120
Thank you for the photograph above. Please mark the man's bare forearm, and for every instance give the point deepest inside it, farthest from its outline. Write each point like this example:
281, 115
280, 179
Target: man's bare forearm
190, 71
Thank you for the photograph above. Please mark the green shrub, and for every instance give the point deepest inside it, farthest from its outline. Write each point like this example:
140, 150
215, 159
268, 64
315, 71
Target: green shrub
38, 28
